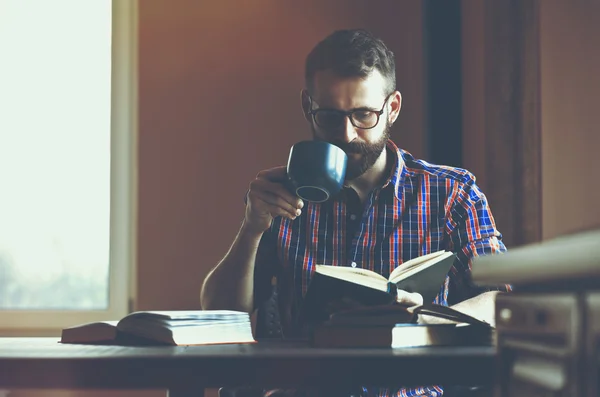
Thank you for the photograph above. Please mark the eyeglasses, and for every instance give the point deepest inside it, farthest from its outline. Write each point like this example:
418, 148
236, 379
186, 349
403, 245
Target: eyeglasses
331, 119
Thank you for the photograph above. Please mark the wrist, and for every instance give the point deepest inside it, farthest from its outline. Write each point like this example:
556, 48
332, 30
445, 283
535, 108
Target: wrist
250, 233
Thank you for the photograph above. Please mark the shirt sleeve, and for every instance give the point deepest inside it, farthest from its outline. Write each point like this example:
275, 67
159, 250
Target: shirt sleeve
264, 265
264, 268
472, 231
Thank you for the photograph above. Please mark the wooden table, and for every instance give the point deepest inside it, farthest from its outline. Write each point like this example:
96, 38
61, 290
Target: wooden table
185, 371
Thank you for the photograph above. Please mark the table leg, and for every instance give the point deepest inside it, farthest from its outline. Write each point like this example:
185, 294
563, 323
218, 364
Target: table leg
191, 392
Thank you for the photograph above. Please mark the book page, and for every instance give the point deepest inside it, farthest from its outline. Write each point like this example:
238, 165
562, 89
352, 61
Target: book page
90, 332
448, 313
348, 273
411, 264
184, 315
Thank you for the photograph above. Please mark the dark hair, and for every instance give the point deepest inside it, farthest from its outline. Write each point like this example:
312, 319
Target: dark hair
351, 53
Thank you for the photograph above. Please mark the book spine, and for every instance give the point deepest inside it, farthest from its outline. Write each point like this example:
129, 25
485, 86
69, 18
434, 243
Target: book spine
392, 289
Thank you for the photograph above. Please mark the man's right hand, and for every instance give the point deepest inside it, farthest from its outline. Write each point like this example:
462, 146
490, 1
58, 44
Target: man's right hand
268, 198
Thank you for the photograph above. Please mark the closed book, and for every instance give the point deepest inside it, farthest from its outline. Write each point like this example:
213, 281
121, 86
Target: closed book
402, 335
177, 328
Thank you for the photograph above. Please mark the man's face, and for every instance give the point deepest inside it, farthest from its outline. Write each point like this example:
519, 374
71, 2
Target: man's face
367, 98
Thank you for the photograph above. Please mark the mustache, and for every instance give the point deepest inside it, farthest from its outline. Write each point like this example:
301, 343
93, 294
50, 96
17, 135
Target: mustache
353, 147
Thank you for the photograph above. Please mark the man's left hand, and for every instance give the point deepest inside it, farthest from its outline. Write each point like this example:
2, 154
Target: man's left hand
409, 298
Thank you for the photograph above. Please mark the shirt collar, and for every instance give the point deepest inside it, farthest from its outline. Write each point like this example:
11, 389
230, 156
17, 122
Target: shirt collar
398, 172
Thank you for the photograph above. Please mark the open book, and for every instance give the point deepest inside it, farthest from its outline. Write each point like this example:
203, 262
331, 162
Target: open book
398, 326
179, 327
331, 284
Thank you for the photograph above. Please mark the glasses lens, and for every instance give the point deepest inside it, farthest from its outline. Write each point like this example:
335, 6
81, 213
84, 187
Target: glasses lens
329, 118
365, 119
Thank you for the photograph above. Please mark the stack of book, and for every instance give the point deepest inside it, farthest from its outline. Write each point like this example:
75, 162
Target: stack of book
353, 307
399, 326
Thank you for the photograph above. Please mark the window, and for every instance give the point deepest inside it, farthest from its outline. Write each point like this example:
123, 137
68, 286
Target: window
67, 183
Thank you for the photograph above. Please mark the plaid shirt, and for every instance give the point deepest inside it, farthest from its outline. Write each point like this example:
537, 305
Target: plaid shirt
421, 208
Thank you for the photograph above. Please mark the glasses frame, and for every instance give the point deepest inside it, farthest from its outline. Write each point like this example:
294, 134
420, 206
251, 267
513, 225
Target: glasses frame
349, 113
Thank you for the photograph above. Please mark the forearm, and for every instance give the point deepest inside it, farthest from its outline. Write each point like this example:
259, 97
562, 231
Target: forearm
230, 285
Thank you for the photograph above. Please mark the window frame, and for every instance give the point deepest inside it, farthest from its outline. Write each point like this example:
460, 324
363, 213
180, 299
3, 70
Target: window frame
123, 197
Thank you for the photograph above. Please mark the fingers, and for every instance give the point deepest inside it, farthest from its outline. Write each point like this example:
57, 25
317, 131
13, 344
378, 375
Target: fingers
277, 174
276, 189
264, 201
268, 196
409, 298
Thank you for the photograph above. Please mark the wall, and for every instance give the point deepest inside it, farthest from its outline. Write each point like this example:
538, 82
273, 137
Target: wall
473, 41
569, 90
570, 109
219, 101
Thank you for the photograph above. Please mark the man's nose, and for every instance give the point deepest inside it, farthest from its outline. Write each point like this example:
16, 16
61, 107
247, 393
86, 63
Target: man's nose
348, 131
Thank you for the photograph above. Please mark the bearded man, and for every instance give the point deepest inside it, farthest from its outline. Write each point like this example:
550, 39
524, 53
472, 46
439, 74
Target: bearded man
391, 209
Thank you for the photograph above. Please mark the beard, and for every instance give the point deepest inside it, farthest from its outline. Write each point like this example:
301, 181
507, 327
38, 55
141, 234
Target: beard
368, 153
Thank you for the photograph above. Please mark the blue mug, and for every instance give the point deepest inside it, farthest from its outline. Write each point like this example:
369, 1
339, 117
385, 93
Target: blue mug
316, 170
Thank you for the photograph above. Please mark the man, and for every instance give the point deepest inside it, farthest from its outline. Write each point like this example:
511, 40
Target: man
392, 208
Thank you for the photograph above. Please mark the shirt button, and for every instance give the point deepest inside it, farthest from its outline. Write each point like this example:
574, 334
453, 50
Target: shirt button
353, 264
353, 217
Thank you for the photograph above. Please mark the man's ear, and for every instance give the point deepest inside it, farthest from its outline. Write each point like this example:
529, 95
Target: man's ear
395, 103
305, 100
